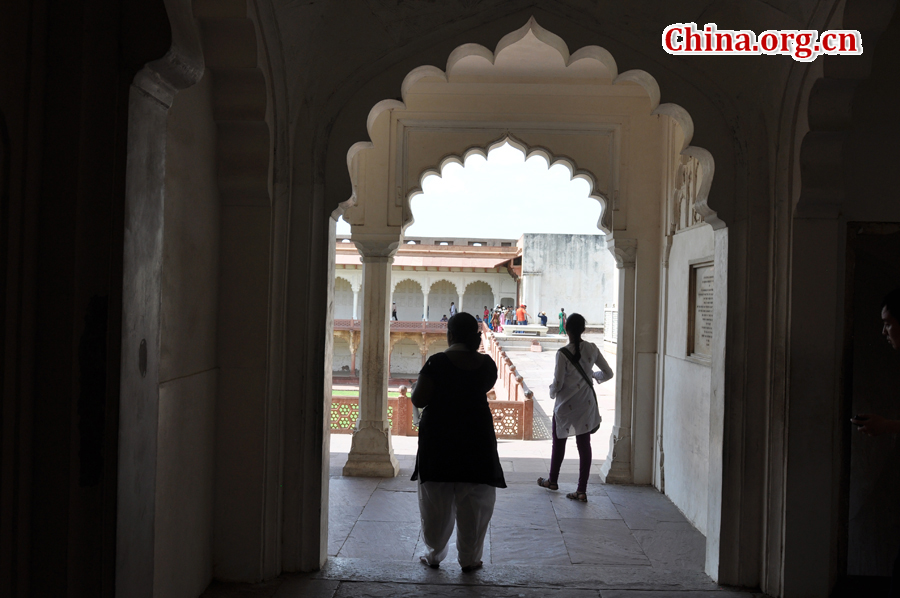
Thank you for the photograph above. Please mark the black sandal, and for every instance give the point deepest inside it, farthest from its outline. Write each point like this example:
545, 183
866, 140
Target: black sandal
547, 484
472, 567
582, 496
424, 561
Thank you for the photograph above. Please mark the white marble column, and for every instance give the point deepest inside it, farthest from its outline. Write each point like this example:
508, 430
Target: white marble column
617, 469
355, 303
371, 453
425, 307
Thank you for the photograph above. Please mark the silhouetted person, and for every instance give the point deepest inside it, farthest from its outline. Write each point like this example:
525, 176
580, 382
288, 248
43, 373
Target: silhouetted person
576, 412
457, 465
393, 311
874, 424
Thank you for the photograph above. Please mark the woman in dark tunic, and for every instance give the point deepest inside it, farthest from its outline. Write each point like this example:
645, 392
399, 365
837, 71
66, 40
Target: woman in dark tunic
457, 464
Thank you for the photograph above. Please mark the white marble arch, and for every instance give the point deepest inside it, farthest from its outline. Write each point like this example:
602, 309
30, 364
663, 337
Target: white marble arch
410, 299
440, 294
476, 296
406, 356
344, 303
603, 126
342, 357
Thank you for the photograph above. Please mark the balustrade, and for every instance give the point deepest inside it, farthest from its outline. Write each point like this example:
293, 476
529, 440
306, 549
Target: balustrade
396, 326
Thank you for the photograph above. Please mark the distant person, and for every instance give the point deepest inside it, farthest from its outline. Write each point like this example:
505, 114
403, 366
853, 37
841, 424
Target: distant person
543, 318
576, 412
393, 311
495, 322
457, 465
520, 315
487, 313
444, 318
877, 425
452, 309
562, 320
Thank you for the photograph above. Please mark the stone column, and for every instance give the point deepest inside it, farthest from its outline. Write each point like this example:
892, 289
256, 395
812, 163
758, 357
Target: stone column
355, 303
617, 469
425, 308
371, 454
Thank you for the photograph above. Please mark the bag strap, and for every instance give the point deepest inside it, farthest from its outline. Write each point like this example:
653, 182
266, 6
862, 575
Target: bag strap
578, 367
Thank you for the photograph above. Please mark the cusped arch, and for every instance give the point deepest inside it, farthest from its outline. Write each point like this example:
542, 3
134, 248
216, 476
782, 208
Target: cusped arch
587, 54
452, 283
605, 222
395, 283
493, 287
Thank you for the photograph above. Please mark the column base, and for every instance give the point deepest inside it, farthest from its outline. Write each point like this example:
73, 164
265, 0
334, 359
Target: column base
617, 467
371, 454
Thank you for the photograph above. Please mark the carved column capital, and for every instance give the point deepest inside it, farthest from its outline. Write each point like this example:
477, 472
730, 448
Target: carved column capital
624, 251
376, 249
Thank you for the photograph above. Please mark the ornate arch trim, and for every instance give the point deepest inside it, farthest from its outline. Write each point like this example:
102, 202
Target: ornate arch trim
594, 53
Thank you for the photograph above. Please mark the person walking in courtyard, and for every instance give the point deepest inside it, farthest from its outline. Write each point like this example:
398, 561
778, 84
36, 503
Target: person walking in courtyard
543, 318
873, 424
394, 311
495, 322
457, 465
520, 315
452, 309
562, 320
576, 412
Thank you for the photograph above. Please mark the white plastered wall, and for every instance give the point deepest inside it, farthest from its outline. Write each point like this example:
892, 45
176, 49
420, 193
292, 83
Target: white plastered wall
576, 272
188, 363
687, 386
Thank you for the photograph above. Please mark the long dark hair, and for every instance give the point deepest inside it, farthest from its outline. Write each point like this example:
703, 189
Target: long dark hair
575, 326
464, 329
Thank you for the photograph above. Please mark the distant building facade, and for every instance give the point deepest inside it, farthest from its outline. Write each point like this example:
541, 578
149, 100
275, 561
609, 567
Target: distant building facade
544, 271
575, 272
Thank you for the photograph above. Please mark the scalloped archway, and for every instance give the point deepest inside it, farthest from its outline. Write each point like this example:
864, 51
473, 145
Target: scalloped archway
611, 130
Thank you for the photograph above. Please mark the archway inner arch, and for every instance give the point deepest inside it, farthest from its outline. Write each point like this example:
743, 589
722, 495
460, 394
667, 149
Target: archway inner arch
577, 110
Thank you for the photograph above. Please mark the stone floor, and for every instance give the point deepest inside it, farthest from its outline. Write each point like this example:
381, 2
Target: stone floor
626, 542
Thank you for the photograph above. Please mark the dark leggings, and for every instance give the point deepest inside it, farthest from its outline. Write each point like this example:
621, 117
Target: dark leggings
583, 442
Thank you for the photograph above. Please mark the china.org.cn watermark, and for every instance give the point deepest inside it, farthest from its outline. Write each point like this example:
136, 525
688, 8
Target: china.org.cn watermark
801, 45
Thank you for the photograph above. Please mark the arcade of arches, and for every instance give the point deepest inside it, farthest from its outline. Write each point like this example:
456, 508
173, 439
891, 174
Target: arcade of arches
170, 177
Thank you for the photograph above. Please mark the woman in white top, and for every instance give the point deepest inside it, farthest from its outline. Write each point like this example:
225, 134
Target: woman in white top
576, 412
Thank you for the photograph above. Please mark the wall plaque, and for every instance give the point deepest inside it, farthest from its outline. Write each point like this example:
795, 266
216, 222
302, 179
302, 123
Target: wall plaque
700, 314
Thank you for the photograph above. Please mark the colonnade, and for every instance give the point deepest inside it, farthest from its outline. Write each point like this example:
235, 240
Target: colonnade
371, 452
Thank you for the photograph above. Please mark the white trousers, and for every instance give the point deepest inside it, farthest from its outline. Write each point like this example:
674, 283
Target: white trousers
469, 505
